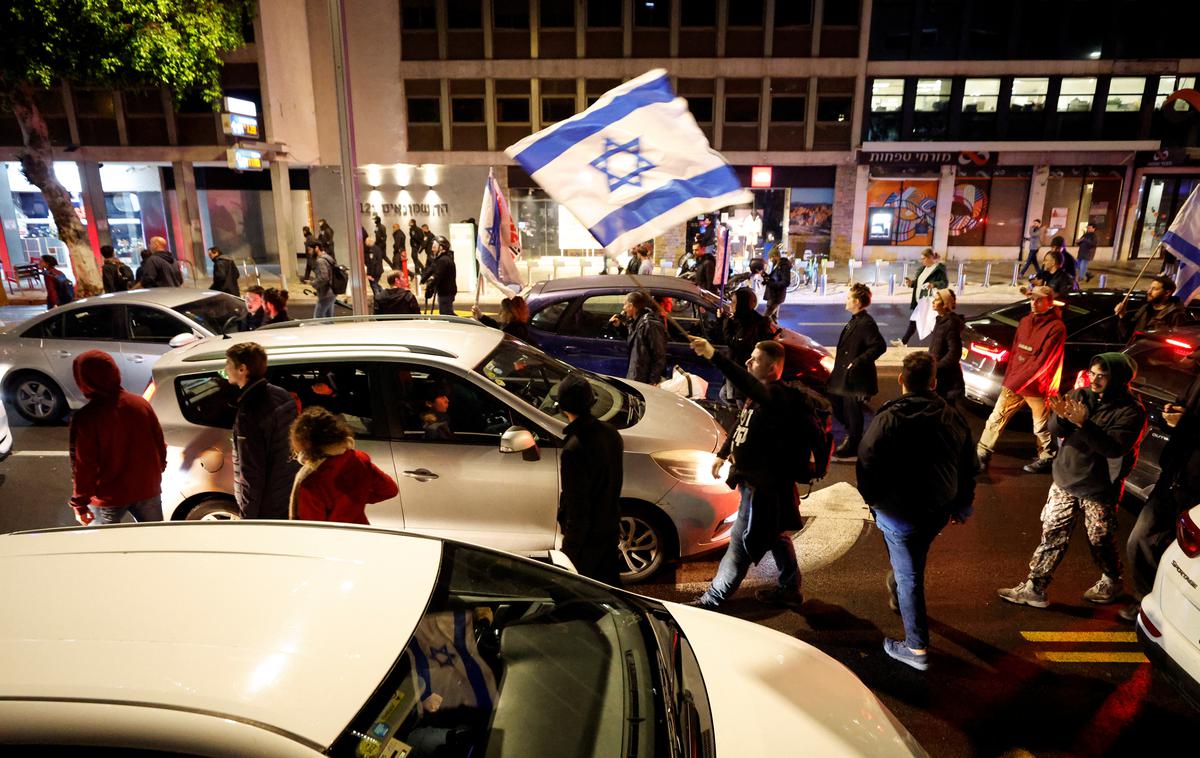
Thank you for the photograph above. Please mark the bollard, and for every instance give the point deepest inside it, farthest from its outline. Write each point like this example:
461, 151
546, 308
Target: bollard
892, 284
1103, 281
878, 263
961, 277
904, 274
1016, 269
824, 281
987, 275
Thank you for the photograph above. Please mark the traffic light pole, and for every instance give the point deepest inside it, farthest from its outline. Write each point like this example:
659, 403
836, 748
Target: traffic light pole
349, 156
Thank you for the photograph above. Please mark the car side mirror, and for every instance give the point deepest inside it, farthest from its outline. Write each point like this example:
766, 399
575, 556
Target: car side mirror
518, 440
186, 338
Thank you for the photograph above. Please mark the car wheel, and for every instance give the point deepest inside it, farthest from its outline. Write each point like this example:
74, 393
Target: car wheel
214, 510
645, 543
38, 399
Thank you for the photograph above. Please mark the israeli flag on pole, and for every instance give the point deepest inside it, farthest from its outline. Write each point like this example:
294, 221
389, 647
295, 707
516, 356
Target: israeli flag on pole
631, 166
1183, 240
499, 242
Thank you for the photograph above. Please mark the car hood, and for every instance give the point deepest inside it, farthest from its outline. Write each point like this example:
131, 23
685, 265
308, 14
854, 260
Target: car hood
670, 422
795, 339
770, 693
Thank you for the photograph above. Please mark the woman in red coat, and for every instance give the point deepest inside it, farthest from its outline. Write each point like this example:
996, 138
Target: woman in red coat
336, 481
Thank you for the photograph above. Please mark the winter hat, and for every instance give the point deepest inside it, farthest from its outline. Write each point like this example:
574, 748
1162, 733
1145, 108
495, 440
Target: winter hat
575, 395
947, 295
1121, 369
97, 374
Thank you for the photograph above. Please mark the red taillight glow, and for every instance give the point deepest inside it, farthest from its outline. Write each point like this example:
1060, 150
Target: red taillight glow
998, 354
1151, 629
1188, 534
1180, 344
1083, 380
150, 390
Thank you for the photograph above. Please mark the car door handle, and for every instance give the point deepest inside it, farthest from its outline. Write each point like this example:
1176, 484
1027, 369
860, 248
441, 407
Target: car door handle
570, 349
137, 358
64, 353
421, 474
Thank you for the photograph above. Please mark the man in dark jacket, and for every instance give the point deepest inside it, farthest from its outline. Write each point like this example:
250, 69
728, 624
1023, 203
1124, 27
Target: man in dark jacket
381, 235
706, 269
1101, 427
310, 256
161, 269
396, 299
325, 238
761, 453
1087, 243
777, 283
1034, 369
115, 275
589, 508
854, 378
1053, 275
916, 469
646, 333
256, 312
225, 272
117, 449
263, 467
441, 276
399, 253
416, 241
1162, 310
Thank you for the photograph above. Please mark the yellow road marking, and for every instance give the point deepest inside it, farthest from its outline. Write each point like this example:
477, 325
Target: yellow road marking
1080, 636
1064, 657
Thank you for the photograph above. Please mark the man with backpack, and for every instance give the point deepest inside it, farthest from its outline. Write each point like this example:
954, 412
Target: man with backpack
59, 290
916, 469
323, 283
116, 276
767, 454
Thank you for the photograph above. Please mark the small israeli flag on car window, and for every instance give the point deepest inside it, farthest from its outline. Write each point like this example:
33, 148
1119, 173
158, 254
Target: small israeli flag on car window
631, 166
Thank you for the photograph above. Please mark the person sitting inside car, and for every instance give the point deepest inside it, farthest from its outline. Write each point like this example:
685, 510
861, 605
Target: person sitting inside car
435, 418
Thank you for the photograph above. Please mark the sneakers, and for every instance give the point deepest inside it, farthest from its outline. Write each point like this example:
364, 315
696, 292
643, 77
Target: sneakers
897, 343
982, 460
702, 601
1024, 594
898, 650
780, 597
1130, 612
1104, 591
1040, 466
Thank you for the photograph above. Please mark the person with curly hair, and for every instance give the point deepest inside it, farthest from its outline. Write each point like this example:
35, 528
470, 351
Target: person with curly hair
335, 481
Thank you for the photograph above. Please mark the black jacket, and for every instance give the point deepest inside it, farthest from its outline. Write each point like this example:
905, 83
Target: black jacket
937, 278
706, 267
374, 259
263, 469
916, 462
225, 276
398, 253
744, 330
859, 346
647, 338
945, 345
161, 270
325, 237
1060, 281
779, 280
396, 300
1180, 457
117, 277
322, 282
443, 273
1087, 246
1146, 318
1094, 458
591, 460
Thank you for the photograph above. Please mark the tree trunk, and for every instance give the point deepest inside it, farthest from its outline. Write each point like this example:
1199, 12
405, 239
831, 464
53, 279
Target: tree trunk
37, 163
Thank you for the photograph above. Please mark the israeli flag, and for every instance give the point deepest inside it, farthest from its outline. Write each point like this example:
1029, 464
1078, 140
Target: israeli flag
631, 166
499, 242
1183, 240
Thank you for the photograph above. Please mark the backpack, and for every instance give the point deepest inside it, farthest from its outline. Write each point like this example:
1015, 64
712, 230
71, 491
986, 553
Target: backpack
339, 279
811, 416
125, 277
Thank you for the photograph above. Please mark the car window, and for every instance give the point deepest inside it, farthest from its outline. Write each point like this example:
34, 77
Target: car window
547, 318
207, 399
438, 406
342, 388
219, 314
695, 318
591, 318
90, 323
151, 325
1074, 316
1164, 370
1102, 332
50, 328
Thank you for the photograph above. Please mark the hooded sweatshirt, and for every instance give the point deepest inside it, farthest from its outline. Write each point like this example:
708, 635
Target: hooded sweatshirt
161, 269
1095, 457
338, 487
1035, 365
117, 449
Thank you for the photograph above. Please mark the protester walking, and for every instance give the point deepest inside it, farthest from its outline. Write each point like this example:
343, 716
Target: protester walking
1101, 427
416, 241
117, 449
399, 254
441, 276
777, 283
705, 270
325, 239
59, 290
1162, 310
275, 302
335, 482
930, 278
225, 272
256, 312
1086, 251
263, 468
763, 453
513, 318
945, 345
854, 379
161, 269
397, 298
322, 284
642, 325
373, 259
589, 508
742, 330
310, 257
115, 275
1033, 373
916, 469
1066, 260
1032, 242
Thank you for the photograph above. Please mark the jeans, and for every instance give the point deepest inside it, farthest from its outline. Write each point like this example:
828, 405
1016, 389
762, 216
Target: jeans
1006, 406
446, 305
736, 561
1081, 269
1058, 521
1031, 261
908, 546
324, 307
847, 409
149, 509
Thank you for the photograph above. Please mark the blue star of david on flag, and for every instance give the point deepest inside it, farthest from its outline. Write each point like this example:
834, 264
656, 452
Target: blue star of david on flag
613, 149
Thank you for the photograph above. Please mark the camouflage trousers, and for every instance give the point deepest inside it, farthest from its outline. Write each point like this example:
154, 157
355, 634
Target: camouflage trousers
1058, 521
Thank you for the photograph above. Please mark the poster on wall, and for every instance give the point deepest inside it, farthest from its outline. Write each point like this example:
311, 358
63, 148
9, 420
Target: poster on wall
913, 205
810, 220
968, 211
1058, 220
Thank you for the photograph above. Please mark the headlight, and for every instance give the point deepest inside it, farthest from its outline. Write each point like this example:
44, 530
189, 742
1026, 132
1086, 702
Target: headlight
691, 466
827, 363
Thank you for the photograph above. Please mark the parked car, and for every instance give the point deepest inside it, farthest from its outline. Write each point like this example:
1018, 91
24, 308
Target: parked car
496, 481
1167, 364
1168, 624
294, 639
1091, 328
570, 320
6, 439
136, 327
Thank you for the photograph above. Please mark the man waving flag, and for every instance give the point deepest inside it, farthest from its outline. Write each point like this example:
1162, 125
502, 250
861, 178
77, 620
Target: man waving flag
631, 166
499, 241
1183, 240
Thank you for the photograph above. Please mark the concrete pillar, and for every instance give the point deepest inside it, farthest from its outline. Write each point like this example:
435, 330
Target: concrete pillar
93, 205
285, 226
849, 212
945, 200
1037, 200
11, 253
189, 239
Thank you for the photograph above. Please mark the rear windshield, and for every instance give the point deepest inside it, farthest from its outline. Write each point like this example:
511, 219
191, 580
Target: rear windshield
1074, 316
219, 314
1164, 370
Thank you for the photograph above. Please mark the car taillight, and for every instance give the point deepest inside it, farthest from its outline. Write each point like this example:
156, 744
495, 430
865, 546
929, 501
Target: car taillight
1083, 379
150, 390
1150, 628
998, 354
1188, 534
1186, 346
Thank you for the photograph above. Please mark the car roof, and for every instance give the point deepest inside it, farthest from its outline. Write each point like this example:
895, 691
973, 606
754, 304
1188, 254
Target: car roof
169, 297
620, 282
287, 625
465, 343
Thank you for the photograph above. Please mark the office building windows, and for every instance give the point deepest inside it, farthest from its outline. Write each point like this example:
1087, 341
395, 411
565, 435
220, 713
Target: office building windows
1169, 84
555, 109
419, 14
787, 108
746, 13
466, 110
1029, 94
1125, 93
652, 14
556, 14
424, 110
741, 109
701, 107
512, 110
604, 14
887, 101
981, 95
464, 14
1076, 94
510, 14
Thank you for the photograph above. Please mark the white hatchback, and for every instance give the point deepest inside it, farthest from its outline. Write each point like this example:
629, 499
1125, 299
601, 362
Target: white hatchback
294, 639
1169, 622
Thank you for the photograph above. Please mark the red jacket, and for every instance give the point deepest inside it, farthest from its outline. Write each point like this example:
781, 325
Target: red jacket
1037, 355
340, 488
117, 448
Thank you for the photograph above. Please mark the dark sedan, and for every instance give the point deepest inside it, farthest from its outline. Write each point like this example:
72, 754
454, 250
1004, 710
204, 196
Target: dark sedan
570, 320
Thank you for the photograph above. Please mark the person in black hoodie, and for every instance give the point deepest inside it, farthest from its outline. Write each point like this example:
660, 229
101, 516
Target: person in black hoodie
916, 469
225, 272
646, 332
854, 378
589, 506
117, 277
161, 269
760, 453
441, 276
742, 330
1101, 428
706, 269
778, 282
945, 345
263, 468
396, 299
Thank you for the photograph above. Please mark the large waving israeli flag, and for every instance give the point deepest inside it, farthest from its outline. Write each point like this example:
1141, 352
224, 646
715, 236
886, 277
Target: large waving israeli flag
631, 166
1183, 240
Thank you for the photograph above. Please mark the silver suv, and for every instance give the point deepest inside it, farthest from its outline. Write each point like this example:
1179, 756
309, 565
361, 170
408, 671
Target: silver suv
493, 479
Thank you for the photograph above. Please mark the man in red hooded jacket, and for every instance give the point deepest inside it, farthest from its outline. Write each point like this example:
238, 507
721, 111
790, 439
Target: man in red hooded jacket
117, 449
1034, 369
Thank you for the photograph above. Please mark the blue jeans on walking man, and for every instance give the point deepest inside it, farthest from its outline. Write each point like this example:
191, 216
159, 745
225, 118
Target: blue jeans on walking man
324, 307
908, 546
736, 561
149, 509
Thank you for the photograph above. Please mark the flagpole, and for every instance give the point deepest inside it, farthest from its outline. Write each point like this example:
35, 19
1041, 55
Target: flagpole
1149, 260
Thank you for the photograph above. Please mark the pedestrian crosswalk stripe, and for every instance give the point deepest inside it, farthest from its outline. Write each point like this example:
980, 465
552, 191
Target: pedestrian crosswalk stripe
41, 453
1065, 657
1080, 636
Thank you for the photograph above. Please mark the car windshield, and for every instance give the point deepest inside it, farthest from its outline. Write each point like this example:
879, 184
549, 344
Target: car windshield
514, 659
534, 377
219, 314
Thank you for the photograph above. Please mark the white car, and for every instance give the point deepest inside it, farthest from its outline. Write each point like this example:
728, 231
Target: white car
135, 327
299, 639
494, 479
1169, 622
6, 438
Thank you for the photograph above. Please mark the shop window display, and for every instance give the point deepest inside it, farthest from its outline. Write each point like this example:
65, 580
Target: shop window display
901, 211
810, 220
1077, 196
989, 207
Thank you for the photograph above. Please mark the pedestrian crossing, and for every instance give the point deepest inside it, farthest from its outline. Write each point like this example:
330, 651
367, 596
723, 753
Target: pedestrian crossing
1068, 639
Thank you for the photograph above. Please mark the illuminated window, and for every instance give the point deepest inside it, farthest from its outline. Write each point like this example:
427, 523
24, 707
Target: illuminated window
887, 95
933, 95
980, 95
1076, 94
1029, 94
1125, 93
